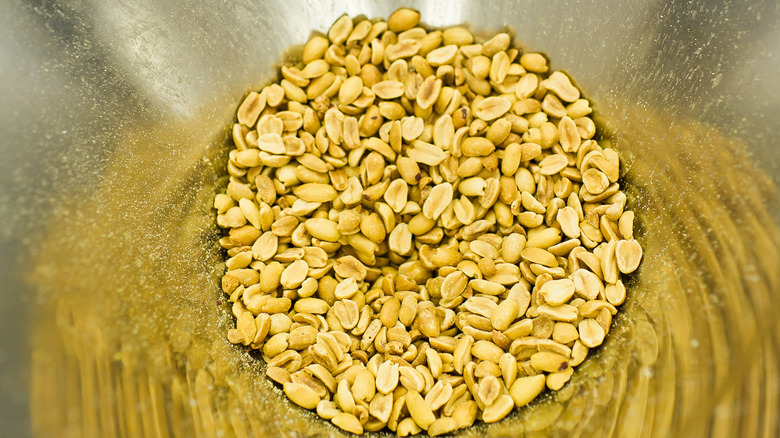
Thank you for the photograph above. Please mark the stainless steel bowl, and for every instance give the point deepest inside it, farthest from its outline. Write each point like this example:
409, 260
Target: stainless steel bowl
114, 125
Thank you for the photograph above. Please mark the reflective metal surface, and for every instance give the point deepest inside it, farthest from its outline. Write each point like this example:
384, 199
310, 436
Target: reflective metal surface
113, 130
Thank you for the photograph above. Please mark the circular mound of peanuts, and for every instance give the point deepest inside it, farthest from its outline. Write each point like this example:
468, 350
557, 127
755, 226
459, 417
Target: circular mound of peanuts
422, 230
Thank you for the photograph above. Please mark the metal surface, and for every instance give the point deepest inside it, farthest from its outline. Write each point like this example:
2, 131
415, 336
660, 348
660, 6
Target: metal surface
114, 114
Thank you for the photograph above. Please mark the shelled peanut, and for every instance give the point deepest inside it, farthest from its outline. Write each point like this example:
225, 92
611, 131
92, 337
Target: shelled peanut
422, 231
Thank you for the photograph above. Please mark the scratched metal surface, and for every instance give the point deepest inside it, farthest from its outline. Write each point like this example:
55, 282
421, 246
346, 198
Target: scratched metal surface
114, 119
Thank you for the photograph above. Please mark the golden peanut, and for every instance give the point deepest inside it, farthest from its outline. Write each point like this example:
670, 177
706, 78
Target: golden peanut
421, 230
